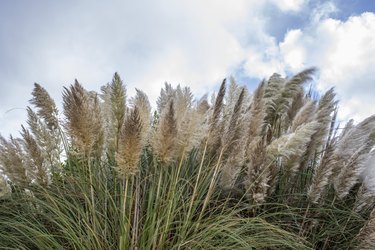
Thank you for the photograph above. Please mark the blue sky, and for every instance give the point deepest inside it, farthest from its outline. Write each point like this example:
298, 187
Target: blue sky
195, 43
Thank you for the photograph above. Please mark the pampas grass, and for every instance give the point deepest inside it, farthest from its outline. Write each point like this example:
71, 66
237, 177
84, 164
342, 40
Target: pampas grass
46, 106
164, 139
267, 170
12, 161
131, 143
83, 122
215, 123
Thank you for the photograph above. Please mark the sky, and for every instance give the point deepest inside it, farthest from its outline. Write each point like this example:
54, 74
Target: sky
194, 43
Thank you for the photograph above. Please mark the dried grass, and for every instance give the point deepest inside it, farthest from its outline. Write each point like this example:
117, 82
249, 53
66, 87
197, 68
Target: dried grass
131, 143
165, 137
83, 120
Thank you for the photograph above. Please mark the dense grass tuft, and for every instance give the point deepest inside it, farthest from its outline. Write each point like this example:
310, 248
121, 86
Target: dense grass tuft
271, 170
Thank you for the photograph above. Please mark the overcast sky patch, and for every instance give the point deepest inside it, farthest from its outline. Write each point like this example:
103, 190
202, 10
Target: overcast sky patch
194, 43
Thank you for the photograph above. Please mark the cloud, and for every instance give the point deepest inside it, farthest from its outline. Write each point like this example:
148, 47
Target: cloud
344, 52
290, 5
194, 43
323, 11
148, 43
293, 51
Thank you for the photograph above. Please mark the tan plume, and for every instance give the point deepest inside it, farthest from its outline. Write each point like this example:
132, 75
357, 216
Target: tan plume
215, 123
164, 139
83, 119
130, 144
233, 145
46, 107
304, 115
35, 160
12, 161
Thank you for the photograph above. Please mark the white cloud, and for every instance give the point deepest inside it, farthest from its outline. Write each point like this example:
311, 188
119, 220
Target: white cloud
293, 52
323, 11
344, 51
290, 5
194, 43
261, 62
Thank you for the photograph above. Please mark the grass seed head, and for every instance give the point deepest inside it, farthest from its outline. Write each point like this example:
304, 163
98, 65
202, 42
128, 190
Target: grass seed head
131, 144
165, 137
46, 107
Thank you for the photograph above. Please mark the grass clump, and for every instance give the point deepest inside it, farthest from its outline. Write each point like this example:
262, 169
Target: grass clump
271, 170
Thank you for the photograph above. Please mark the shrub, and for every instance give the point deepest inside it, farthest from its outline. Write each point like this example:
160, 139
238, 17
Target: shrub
271, 170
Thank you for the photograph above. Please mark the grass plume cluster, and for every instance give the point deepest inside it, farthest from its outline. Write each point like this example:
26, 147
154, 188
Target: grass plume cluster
267, 170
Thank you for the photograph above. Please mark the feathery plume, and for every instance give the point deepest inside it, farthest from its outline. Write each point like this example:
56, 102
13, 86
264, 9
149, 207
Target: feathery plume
113, 112
183, 100
230, 171
46, 107
287, 150
255, 120
231, 98
12, 161
109, 133
215, 126
191, 131
187, 121
49, 141
304, 115
366, 194
35, 160
258, 173
350, 173
164, 139
274, 105
323, 116
293, 143
166, 95
352, 151
184, 115
294, 146
233, 156
348, 127
83, 119
118, 105
326, 106
297, 103
143, 106
280, 93
233, 133
130, 144
273, 87
342, 161
294, 85
218, 106
256, 115
203, 106
292, 92
322, 174
355, 136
